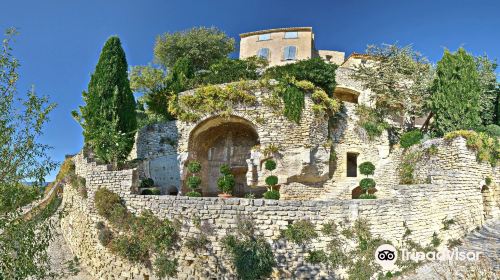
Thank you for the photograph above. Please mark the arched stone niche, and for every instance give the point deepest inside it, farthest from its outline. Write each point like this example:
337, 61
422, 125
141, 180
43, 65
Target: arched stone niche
223, 140
346, 94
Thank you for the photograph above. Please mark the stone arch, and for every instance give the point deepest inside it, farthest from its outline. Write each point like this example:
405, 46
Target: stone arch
222, 140
346, 94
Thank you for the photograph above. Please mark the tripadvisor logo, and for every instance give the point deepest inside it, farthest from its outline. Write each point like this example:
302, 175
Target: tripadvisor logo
386, 256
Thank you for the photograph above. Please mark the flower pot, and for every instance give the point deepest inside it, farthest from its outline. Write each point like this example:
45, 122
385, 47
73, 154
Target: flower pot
225, 195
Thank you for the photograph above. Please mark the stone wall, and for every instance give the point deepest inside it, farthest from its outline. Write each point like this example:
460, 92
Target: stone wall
453, 192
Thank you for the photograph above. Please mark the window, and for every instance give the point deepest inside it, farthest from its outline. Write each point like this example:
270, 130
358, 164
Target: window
352, 165
291, 35
263, 53
264, 37
290, 53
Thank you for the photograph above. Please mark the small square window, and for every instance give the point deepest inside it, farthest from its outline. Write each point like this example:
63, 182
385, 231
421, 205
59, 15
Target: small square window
290, 52
264, 37
291, 35
263, 53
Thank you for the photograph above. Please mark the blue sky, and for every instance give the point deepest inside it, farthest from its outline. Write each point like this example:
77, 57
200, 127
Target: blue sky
60, 40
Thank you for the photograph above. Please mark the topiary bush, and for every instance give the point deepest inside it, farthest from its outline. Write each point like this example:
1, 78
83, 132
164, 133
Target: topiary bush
367, 168
156, 192
272, 181
147, 192
194, 166
147, 183
272, 194
367, 183
410, 138
367, 196
226, 183
106, 201
193, 182
270, 165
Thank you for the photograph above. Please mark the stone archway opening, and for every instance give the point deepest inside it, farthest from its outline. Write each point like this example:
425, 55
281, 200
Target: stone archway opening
346, 94
219, 141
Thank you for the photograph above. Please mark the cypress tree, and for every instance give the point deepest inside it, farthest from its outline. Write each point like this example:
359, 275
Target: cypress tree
456, 93
109, 117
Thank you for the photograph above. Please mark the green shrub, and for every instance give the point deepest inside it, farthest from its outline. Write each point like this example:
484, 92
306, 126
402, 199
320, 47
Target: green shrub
252, 257
196, 243
300, 232
270, 165
367, 196
272, 180
165, 267
225, 169
447, 223
411, 138
367, 183
147, 183
487, 148
272, 194
120, 217
100, 225
105, 201
105, 236
193, 182
488, 181
435, 241
493, 130
317, 257
130, 248
367, 168
294, 103
147, 192
226, 182
194, 166
193, 194
314, 70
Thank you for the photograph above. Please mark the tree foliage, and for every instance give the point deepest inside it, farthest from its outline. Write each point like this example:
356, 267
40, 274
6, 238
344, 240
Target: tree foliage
456, 96
200, 45
489, 89
400, 79
23, 243
109, 117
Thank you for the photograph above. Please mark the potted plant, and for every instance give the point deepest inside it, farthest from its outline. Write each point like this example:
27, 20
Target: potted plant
271, 181
367, 184
194, 181
226, 182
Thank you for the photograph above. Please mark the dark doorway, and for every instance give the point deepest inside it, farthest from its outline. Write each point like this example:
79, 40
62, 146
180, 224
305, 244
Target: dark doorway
352, 165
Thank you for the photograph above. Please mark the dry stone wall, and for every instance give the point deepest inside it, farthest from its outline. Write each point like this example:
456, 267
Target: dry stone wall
453, 193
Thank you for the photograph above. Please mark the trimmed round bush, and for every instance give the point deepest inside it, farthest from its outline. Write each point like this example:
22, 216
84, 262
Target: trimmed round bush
147, 183
193, 194
272, 194
225, 169
367, 196
410, 138
367, 183
367, 168
194, 166
193, 182
272, 180
270, 164
147, 192
106, 201
226, 183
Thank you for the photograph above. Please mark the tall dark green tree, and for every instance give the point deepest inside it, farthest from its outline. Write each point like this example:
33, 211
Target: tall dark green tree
489, 89
109, 117
456, 90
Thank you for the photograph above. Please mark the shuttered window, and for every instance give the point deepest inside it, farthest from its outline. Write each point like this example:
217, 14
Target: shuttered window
290, 53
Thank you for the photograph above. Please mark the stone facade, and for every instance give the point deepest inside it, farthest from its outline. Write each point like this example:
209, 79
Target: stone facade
453, 190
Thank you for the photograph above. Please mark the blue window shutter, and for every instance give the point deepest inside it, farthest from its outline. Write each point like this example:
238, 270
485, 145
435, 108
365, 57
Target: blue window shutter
290, 52
293, 52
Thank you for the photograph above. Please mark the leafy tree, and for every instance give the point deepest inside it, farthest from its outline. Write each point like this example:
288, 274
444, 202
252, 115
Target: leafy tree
456, 96
109, 117
200, 45
229, 70
489, 89
400, 78
23, 243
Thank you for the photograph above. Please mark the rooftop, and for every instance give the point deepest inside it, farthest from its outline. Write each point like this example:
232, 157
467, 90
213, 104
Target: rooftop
285, 29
